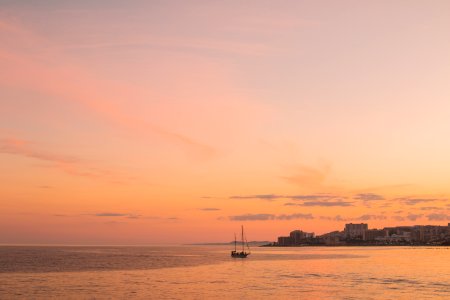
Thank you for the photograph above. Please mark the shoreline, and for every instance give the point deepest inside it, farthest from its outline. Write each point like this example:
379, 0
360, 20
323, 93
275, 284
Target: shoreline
354, 245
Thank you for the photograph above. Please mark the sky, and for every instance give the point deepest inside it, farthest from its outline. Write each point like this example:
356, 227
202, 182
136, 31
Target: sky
155, 122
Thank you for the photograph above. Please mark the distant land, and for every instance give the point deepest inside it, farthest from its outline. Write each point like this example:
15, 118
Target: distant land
361, 235
252, 243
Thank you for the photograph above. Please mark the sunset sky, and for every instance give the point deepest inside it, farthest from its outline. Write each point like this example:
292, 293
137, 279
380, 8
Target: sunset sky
142, 122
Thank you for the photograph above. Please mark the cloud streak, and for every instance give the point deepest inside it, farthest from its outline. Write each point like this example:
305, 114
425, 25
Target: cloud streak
327, 203
312, 197
268, 197
113, 214
73, 83
431, 208
321, 203
323, 200
366, 217
268, 217
370, 217
68, 164
414, 217
336, 218
414, 201
368, 197
109, 214
438, 217
306, 197
17, 146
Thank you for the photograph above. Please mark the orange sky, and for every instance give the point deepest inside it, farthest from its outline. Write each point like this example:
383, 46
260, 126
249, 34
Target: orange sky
175, 122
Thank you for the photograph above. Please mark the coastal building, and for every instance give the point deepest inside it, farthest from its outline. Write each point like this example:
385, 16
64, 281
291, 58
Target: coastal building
298, 236
359, 234
429, 233
355, 231
395, 238
284, 241
372, 234
333, 238
398, 230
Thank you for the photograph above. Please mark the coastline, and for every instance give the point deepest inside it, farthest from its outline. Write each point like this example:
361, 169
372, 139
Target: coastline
357, 245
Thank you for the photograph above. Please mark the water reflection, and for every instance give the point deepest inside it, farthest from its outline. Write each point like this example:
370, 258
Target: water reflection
209, 272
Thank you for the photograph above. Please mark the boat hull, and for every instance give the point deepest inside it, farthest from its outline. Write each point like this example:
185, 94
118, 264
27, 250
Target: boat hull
239, 254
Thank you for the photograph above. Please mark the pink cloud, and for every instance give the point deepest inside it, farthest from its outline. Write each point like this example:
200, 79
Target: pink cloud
71, 165
166, 116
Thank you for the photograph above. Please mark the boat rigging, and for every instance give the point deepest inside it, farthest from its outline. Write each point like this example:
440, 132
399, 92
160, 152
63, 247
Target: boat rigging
243, 253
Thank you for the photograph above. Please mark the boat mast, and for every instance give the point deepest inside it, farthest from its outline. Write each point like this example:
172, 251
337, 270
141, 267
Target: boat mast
235, 242
242, 227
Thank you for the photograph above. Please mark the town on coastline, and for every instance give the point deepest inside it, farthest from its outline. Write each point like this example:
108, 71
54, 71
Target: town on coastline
361, 235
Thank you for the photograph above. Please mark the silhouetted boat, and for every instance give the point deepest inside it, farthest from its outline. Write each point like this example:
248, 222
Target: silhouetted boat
243, 253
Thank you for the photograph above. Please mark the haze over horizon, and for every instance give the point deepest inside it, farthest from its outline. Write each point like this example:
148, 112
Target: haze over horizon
176, 122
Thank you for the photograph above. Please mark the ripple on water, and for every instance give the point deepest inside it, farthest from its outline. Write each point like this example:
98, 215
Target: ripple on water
189, 272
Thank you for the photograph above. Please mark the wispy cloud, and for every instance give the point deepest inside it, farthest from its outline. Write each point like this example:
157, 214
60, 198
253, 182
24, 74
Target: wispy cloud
252, 217
321, 203
268, 197
116, 215
18, 146
113, 214
73, 83
71, 165
210, 209
212, 45
327, 203
414, 201
386, 187
312, 197
45, 187
109, 214
324, 200
430, 208
159, 218
368, 197
414, 217
266, 217
336, 218
132, 216
371, 217
438, 217
305, 197
295, 216
366, 217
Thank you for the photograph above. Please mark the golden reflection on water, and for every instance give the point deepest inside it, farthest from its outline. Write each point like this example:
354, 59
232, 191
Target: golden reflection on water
278, 273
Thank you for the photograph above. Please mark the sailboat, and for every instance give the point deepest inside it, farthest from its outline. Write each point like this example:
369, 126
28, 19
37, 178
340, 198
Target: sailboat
243, 253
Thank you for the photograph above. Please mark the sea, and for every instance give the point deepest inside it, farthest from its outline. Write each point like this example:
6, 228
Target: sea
208, 272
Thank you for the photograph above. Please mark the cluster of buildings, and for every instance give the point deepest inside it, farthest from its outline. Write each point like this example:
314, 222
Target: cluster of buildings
360, 234
296, 237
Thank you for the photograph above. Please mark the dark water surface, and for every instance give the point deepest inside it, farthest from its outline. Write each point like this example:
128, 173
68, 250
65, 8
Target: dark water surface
205, 272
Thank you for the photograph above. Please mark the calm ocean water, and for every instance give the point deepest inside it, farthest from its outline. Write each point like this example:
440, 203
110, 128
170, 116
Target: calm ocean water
200, 272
